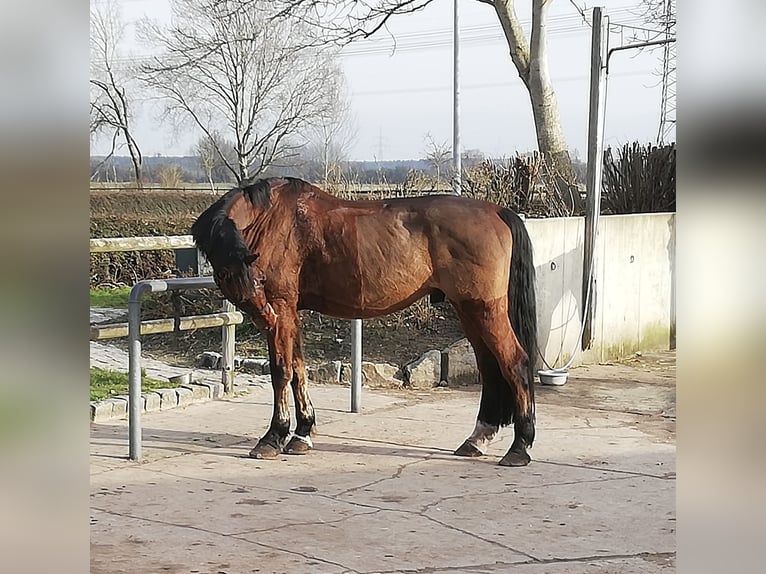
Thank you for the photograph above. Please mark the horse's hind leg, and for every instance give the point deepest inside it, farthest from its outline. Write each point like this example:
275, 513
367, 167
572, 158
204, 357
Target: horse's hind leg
513, 364
304, 410
490, 412
489, 320
281, 344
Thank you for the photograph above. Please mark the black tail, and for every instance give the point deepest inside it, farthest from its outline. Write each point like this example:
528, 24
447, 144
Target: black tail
521, 294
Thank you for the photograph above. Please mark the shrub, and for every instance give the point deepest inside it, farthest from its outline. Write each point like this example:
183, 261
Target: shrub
640, 179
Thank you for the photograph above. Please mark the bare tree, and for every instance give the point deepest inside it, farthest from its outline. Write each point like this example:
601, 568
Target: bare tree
471, 158
205, 151
333, 132
110, 106
438, 155
231, 67
660, 14
347, 20
209, 150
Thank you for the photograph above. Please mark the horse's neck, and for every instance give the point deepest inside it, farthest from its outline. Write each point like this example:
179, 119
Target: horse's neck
241, 212
268, 230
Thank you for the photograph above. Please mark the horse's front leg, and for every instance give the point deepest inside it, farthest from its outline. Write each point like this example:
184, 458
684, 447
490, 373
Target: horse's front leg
281, 340
304, 410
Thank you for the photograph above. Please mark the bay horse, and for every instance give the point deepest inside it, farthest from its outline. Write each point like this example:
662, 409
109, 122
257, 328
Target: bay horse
280, 245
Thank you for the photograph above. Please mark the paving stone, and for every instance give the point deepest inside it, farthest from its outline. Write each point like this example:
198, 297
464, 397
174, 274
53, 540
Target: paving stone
185, 396
126, 398
215, 390
168, 398
101, 411
199, 392
151, 401
119, 407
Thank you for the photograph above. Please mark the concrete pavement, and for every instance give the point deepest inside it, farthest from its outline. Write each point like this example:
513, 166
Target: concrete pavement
382, 492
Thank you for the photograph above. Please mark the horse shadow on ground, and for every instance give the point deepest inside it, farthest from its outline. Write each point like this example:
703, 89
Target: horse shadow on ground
104, 439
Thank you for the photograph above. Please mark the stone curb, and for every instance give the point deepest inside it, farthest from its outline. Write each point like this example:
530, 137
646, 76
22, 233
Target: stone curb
158, 400
431, 370
165, 399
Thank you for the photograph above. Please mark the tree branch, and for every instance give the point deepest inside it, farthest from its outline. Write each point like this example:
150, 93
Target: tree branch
514, 34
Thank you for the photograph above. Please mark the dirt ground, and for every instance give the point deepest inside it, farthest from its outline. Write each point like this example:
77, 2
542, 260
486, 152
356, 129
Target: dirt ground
397, 339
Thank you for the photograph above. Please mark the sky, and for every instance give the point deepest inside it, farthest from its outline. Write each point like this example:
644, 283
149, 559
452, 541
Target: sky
401, 97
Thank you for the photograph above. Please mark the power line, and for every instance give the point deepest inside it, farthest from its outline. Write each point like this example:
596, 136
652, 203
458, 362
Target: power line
425, 89
438, 38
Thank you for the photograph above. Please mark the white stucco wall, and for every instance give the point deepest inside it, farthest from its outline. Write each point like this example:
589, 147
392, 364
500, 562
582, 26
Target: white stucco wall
635, 281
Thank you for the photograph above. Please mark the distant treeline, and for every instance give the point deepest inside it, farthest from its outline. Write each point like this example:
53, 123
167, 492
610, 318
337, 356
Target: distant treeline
168, 170
188, 169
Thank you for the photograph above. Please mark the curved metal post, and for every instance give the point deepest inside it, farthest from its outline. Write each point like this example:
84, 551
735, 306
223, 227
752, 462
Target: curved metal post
134, 363
134, 348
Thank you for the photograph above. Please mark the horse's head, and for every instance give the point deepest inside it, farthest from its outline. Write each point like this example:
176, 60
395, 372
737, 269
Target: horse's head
243, 283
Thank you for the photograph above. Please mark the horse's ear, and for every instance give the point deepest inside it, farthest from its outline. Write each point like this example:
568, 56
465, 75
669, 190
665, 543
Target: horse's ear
250, 258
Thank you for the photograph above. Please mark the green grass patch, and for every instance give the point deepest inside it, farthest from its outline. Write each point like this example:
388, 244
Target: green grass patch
116, 297
106, 383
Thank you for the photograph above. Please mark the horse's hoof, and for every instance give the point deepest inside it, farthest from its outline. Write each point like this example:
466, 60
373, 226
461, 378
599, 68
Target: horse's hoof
469, 450
514, 458
298, 446
265, 451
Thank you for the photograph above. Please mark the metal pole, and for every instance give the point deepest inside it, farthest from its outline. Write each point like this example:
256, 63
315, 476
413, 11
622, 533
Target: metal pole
134, 372
457, 168
595, 165
356, 365
228, 339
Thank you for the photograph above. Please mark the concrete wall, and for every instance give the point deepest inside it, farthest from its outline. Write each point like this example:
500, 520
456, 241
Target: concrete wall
635, 286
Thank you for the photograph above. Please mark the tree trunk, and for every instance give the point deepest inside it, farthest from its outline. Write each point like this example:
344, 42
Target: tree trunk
531, 61
243, 171
545, 109
135, 157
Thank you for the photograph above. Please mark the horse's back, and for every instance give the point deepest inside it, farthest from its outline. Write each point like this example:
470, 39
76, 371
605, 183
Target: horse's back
469, 245
457, 245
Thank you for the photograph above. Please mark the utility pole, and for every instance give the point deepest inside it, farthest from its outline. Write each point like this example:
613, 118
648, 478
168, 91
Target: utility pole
668, 112
457, 168
599, 72
597, 100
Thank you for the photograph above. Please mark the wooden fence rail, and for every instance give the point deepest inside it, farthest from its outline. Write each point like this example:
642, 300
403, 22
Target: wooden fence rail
111, 244
153, 326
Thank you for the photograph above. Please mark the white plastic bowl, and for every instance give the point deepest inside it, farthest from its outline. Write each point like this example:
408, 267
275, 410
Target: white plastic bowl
553, 377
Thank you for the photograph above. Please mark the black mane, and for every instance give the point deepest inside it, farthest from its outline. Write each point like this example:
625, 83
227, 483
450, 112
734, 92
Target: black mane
258, 191
216, 235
